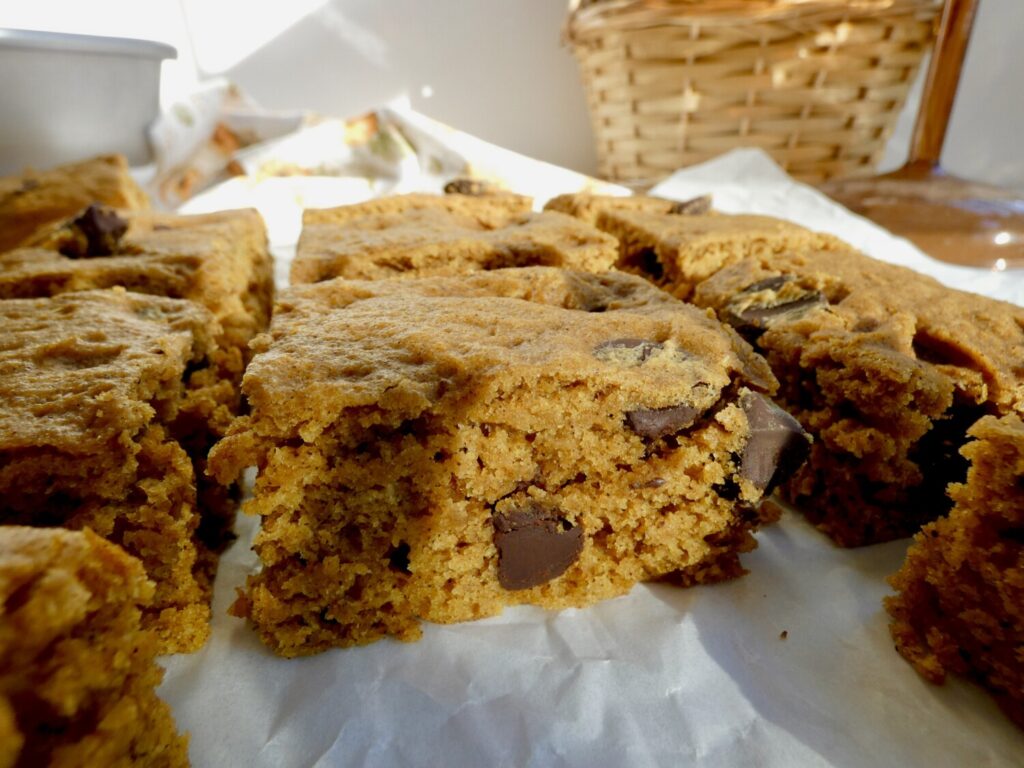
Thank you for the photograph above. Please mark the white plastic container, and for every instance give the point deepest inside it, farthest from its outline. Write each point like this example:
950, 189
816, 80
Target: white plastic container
67, 97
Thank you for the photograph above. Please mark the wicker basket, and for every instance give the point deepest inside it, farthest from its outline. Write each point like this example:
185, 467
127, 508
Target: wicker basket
816, 83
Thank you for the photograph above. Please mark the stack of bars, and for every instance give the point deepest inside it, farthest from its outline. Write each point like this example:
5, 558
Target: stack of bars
124, 338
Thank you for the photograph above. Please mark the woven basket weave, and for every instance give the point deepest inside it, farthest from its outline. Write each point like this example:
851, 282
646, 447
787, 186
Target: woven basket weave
818, 84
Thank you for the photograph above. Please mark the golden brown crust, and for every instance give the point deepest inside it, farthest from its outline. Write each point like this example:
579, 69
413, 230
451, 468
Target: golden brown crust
77, 674
679, 251
219, 260
588, 207
424, 235
34, 199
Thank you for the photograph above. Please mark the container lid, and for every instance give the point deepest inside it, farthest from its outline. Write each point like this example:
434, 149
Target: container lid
60, 41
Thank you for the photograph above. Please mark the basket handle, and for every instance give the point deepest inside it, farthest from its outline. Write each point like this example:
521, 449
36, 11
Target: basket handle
941, 86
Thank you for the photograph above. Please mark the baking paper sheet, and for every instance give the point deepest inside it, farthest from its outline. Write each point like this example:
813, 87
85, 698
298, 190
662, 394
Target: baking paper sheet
791, 665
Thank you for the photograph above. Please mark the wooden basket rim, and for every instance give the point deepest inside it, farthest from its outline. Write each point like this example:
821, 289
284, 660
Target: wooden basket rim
635, 15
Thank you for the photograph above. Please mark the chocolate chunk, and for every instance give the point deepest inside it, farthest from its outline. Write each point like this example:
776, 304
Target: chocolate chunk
652, 423
751, 314
777, 446
694, 207
637, 350
761, 316
467, 187
535, 544
768, 284
100, 228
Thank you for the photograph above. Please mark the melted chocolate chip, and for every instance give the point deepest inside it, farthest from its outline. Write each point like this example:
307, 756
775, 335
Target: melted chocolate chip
101, 229
777, 446
768, 284
761, 316
535, 544
652, 423
467, 187
694, 207
752, 317
638, 350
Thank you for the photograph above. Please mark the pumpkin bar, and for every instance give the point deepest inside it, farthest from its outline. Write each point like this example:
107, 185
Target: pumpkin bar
425, 235
219, 260
887, 368
678, 249
960, 601
34, 199
438, 448
78, 675
103, 397
589, 207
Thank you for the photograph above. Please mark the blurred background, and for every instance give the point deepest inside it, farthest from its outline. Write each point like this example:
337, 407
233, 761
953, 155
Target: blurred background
493, 68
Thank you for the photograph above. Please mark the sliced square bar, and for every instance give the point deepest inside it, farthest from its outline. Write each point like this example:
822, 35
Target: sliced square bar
34, 199
677, 250
100, 408
887, 368
589, 207
959, 605
433, 235
219, 260
78, 675
438, 448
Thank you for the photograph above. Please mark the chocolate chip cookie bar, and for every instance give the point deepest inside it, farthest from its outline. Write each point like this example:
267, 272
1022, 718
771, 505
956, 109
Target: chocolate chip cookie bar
37, 198
104, 395
886, 368
219, 260
78, 675
589, 207
960, 601
438, 448
434, 235
680, 248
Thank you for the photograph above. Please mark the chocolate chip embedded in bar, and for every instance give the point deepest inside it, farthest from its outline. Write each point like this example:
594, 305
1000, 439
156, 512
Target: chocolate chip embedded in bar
695, 207
468, 187
535, 544
759, 305
99, 229
635, 351
653, 423
777, 446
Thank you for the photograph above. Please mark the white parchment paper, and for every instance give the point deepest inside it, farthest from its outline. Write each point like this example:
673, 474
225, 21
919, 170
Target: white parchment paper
662, 676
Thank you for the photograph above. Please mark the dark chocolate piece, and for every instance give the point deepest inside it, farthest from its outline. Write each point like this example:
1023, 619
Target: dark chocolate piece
638, 349
100, 228
777, 446
768, 284
652, 423
761, 316
535, 545
695, 207
753, 317
467, 187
